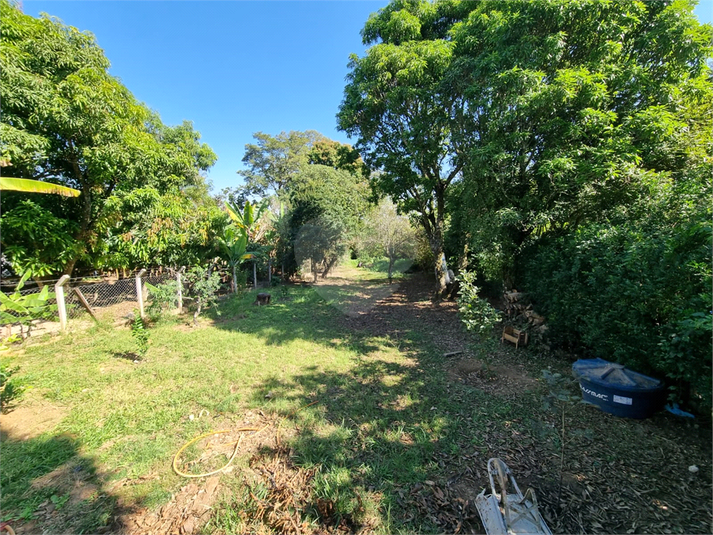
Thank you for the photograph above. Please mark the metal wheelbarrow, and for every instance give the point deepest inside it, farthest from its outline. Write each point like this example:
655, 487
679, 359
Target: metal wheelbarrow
508, 513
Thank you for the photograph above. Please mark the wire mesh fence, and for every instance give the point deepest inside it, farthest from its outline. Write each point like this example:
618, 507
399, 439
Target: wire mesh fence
107, 297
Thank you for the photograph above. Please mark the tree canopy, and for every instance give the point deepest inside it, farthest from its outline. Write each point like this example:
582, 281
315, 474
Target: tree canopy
67, 121
543, 143
406, 125
575, 109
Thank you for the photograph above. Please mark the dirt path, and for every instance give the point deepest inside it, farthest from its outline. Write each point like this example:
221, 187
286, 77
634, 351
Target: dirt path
619, 475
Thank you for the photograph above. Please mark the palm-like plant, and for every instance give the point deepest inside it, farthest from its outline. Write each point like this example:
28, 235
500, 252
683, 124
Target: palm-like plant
36, 186
248, 218
233, 244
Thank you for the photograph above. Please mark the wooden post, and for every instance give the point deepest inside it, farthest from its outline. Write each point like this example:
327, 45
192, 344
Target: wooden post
85, 303
61, 305
140, 292
180, 292
255, 274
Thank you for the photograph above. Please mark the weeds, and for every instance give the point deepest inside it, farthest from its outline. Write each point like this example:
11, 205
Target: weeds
11, 389
140, 334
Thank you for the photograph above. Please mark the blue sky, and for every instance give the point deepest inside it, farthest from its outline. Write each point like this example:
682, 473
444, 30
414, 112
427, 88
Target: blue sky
232, 67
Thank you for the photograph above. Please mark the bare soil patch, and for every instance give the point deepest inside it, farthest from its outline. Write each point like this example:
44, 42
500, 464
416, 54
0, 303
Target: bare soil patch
503, 380
30, 419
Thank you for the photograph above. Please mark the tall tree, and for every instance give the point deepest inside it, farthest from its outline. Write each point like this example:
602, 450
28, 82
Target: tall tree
407, 126
339, 156
66, 120
329, 204
274, 160
575, 109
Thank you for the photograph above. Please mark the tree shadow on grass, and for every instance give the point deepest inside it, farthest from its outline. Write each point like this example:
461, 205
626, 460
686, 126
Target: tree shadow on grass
381, 431
377, 434
48, 486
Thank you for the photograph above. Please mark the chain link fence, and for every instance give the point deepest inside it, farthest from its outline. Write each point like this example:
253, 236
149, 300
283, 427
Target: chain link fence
108, 297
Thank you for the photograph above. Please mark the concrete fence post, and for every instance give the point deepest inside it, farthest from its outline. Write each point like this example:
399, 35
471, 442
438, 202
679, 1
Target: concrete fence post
61, 305
180, 291
140, 291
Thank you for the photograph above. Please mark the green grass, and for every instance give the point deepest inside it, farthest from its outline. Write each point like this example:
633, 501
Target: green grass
379, 419
387, 416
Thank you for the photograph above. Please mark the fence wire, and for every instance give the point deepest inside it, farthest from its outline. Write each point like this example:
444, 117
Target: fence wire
108, 297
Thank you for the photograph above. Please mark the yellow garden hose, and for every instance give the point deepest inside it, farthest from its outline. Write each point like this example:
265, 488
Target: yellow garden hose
237, 444
193, 441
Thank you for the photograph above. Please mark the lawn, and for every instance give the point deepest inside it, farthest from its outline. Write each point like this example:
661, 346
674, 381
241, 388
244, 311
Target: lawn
349, 417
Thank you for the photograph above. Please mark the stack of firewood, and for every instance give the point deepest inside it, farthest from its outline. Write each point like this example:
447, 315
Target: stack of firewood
517, 307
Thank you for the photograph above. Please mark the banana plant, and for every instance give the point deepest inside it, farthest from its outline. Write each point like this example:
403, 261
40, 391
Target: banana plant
23, 309
247, 218
233, 244
36, 186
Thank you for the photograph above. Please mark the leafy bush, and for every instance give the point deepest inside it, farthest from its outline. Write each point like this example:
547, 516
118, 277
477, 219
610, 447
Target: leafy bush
163, 297
202, 286
23, 309
476, 313
634, 293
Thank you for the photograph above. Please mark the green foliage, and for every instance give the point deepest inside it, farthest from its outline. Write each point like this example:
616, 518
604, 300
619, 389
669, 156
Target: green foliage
638, 294
140, 334
163, 297
23, 309
386, 233
202, 286
66, 120
36, 186
406, 124
37, 241
249, 220
575, 110
147, 227
233, 244
339, 156
321, 242
11, 388
327, 206
476, 313
273, 161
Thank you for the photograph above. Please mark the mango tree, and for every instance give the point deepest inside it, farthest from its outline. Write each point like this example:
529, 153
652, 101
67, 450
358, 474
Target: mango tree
67, 121
408, 127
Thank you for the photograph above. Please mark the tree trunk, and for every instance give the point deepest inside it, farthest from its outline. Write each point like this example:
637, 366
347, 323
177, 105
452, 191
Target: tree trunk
234, 282
440, 268
85, 220
254, 274
391, 268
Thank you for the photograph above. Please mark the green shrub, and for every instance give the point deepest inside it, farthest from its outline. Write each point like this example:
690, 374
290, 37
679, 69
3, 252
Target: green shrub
163, 297
476, 313
25, 308
202, 288
634, 293
11, 389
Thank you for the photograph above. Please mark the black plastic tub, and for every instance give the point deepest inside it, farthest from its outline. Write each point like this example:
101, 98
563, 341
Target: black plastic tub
619, 390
